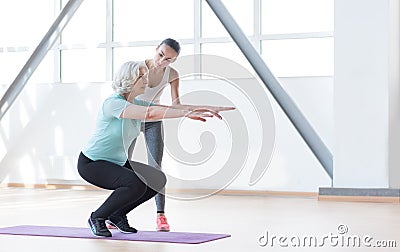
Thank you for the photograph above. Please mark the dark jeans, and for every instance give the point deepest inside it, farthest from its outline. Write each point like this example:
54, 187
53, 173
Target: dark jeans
132, 185
153, 133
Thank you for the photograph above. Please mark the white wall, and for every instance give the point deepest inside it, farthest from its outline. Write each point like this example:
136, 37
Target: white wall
45, 129
293, 167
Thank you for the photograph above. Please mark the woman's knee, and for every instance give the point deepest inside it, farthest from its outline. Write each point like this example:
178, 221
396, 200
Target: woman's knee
161, 180
156, 180
152, 177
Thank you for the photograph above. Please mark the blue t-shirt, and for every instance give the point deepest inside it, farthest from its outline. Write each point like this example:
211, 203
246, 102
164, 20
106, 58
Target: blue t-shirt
113, 135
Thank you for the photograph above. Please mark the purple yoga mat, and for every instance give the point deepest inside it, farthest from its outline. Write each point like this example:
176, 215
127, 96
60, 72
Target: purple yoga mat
148, 236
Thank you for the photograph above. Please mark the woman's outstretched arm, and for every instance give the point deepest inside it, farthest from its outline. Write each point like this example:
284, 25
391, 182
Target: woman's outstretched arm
149, 113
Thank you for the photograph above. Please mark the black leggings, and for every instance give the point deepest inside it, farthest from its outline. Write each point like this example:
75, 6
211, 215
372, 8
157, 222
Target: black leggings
132, 186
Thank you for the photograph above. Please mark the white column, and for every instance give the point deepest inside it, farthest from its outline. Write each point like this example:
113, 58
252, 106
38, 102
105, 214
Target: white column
394, 94
366, 60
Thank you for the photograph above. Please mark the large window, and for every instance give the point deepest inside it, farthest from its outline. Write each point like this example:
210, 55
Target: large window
299, 57
123, 54
297, 36
21, 25
296, 16
242, 11
83, 65
153, 20
21, 29
88, 26
294, 37
227, 50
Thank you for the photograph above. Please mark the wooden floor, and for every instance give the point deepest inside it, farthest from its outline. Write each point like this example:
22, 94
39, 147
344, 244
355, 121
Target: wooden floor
246, 218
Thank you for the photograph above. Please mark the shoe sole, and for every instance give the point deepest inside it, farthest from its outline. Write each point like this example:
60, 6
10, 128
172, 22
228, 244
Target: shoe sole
162, 230
122, 231
90, 227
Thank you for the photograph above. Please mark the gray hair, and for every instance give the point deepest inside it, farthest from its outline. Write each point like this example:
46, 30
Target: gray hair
124, 78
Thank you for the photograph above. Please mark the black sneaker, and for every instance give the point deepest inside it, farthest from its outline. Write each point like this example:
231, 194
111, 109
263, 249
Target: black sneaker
121, 223
98, 226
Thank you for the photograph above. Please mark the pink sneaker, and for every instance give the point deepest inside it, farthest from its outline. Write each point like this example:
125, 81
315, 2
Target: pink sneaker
162, 224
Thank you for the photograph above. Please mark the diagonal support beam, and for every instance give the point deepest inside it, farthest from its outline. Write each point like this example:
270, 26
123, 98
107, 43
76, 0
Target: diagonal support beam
37, 56
294, 114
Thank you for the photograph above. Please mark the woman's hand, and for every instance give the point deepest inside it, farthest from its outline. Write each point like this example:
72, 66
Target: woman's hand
202, 114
